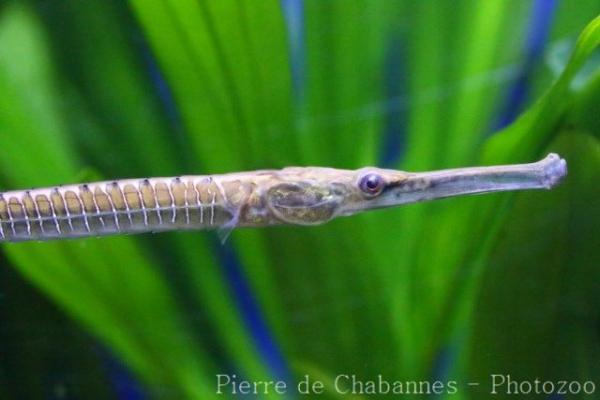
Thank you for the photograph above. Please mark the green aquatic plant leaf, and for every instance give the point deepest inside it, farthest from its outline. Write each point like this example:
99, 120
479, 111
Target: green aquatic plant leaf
529, 137
529, 133
226, 63
200, 87
111, 286
455, 99
544, 284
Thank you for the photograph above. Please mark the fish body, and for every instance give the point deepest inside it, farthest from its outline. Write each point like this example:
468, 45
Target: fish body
293, 195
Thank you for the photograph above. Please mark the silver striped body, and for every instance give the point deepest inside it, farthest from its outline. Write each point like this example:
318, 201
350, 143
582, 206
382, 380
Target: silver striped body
123, 206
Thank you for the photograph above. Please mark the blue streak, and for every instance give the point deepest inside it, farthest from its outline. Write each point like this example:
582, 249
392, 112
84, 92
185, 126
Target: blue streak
124, 384
542, 15
251, 313
293, 11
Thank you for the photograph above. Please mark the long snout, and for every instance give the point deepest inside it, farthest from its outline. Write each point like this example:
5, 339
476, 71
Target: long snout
416, 187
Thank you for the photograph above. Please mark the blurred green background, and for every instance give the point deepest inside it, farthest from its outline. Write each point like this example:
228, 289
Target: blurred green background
454, 290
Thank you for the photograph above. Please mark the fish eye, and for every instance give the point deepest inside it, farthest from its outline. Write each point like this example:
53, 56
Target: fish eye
371, 184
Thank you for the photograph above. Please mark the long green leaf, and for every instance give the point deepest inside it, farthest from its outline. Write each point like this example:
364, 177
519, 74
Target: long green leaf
88, 278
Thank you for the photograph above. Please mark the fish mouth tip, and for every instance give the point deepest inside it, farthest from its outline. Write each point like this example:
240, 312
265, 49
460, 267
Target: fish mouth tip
554, 170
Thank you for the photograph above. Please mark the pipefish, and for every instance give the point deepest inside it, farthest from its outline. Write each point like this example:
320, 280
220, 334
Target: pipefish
293, 195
